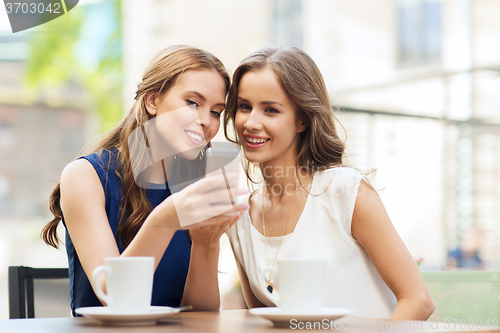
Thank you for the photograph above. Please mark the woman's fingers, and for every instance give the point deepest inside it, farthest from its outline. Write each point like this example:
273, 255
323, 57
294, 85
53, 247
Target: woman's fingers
195, 209
222, 196
215, 182
208, 198
227, 211
221, 221
214, 229
236, 210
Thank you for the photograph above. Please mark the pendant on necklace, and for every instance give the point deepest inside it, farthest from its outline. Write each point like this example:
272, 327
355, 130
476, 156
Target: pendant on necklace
270, 287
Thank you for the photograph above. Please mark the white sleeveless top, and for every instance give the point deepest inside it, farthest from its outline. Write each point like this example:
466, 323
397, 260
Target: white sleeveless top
322, 232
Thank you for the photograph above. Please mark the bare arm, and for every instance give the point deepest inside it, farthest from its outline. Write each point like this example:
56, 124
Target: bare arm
373, 229
250, 298
202, 283
83, 205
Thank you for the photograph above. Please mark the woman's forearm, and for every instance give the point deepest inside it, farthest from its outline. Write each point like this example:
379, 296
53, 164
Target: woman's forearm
202, 285
413, 309
154, 236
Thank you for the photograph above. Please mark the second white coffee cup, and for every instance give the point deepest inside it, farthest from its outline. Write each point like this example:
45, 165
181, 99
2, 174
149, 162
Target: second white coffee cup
300, 283
129, 283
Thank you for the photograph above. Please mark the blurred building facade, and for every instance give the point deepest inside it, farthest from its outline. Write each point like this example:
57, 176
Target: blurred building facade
39, 134
435, 64
415, 81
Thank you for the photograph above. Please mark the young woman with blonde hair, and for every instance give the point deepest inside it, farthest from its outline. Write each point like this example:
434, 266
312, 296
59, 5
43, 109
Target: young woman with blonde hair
116, 200
310, 204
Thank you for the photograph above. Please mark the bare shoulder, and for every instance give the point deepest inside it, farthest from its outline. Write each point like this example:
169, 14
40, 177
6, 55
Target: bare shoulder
78, 167
369, 211
367, 189
80, 175
368, 203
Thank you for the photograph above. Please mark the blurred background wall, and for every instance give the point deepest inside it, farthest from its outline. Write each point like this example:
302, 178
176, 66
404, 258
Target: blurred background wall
414, 82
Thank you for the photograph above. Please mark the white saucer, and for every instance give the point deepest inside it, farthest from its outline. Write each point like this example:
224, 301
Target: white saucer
103, 315
283, 319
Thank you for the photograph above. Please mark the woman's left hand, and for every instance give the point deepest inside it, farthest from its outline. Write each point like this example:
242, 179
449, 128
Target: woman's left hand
209, 236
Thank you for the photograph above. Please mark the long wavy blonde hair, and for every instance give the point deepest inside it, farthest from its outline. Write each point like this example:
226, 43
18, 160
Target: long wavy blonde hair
159, 76
319, 146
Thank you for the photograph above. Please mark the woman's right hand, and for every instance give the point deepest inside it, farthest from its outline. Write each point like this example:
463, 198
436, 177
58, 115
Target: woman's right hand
207, 202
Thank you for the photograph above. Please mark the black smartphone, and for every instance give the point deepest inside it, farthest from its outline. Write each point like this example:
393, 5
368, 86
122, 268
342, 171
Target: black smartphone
221, 155
224, 156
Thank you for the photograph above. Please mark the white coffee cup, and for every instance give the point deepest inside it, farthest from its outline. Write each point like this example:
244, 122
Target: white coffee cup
129, 283
300, 283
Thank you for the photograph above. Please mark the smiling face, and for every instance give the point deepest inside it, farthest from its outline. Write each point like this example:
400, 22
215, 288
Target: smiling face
188, 114
266, 119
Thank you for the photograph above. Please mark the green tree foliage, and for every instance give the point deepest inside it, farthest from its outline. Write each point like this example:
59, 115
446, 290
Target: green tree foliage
58, 56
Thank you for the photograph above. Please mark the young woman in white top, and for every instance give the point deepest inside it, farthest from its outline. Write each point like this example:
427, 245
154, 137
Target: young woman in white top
310, 204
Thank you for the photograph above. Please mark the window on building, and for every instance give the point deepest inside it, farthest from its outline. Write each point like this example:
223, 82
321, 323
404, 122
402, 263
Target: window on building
288, 23
419, 32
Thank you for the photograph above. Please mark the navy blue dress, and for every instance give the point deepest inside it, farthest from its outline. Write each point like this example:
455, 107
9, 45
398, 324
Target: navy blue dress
170, 275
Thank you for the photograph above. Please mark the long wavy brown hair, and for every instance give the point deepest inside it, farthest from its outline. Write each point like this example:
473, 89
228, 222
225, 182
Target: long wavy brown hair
319, 146
159, 76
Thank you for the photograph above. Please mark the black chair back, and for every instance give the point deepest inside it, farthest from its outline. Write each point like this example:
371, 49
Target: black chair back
40, 292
